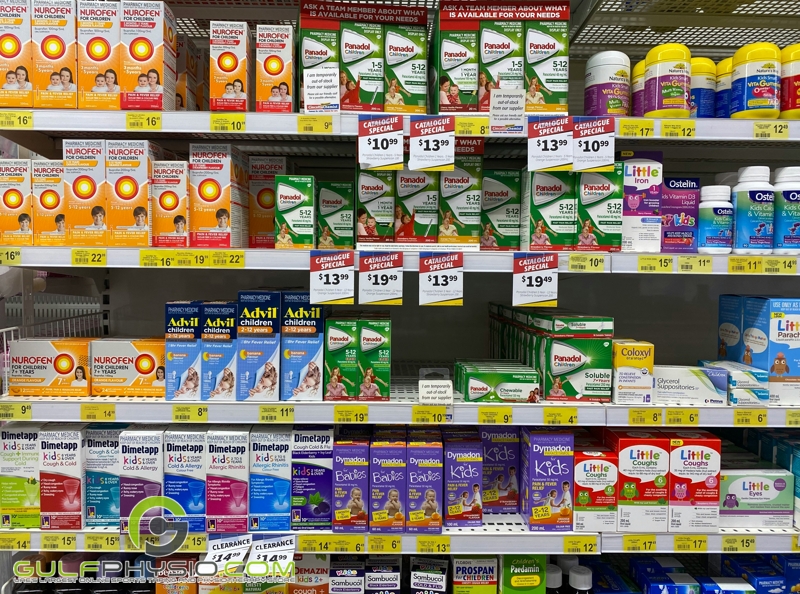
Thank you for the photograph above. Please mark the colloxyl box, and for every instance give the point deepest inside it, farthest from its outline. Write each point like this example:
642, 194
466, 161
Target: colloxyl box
220, 355
19, 473
141, 471
730, 345
641, 220
62, 465
227, 476
694, 461
259, 345
463, 471
424, 510
102, 474
680, 210
270, 478
500, 467
547, 470
185, 472
351, 484
312, 477
184, 350
302, 345
387, 467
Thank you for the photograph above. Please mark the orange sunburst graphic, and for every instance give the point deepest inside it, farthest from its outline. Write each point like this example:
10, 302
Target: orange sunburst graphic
192, 63
10, 46
168, 200
145, 364
13, 198
50, 199
141, 49
64, 364
209, 190
170, 35
126, 187
53, 47
273, 65
84, 187
266, 199
227, 62
98, 49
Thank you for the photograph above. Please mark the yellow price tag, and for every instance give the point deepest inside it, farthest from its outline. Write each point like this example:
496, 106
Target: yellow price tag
101, 541
227, 122
560, 415
780, 264
189, 413
771, 130
637, 128
495, 415
587, 263
682, 416
423, 414
738, 544
15, 542
59, 542
581, 545
314, 124
678, 128
276, 413
227, 259
11, 257
99, 412
792, 418
433, 545
745, 264
142, 121
377, 543
195, 543
749, 417
127, 543
795, 544
690, 543
472, 126
89, 257
190, 258
658, 264
638, 542
16, 120
351, 413
157, 258
16, 411
645, 416
329, 543
695, 264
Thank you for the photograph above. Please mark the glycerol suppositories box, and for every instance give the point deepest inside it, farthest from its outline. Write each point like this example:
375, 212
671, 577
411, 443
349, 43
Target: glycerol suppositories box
57, 367
62, 465
270, 478
274, 68
294, 212
16, 55
687, 385
362, 60
418, 204
229, 82
85, 191
55, 61
406, 54
128, 171
500, 209
262, 199
102, 474
128, 367
335, 203
185, 472
49, 205
170, 204
227, 475
259, 345
16, 224
141, 471
19, 473
98, 54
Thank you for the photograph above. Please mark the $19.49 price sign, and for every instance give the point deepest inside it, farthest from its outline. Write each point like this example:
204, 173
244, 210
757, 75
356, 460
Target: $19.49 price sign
332, 277
535, 279
380, 278
549, 143
380, 142
441, 278
432, 142
593, 143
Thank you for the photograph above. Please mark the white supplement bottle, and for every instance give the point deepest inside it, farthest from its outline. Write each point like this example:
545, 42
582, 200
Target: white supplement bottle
728, 178
607, 86
787, 211
715, 224
753, 212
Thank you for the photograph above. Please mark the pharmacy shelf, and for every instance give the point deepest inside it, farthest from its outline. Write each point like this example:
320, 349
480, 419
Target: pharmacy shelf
732, 540
710, 416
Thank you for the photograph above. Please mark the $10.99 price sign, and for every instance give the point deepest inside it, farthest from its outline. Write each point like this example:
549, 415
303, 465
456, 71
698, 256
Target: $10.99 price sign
441, 278
592, 143
432, 143
380, 142
535, 279
549, 143
332, 277
380, 278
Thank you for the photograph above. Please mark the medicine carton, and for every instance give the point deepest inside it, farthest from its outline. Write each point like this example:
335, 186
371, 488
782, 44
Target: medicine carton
383, 574
262, 199
19, 472
500, 209
428, 575
141, 471
548, 218
547, 61
102, 474
501, 463
460, 199
312, 477
375, 357
680, 202
454, 60
388, 482
230, 66
361, 58
375, 206
185, 451
730, 346
522, 574
596, 489
312, 573
62, 465
476, 574
756, 498
302, 346
416, 207
16, 226
49, 205
169, 204
218, 320
259, 345
690, 386
632, 375
319, 48
547, 467
148, 33
270, 478
335, 203
641, 208
693, 481
274, 85
501, 48
669, 583
351, 484
17, 55
740, 376
406, 54
295, 212
490, 383
184, 350
342, 375
643, 479
424, 513
128, 173
85, 190
463, 471
54, 40
347, 575
98, 54
724, 585
57, 367
641, 566
227, 476
763, 578
128, 367
186, 59
600, 197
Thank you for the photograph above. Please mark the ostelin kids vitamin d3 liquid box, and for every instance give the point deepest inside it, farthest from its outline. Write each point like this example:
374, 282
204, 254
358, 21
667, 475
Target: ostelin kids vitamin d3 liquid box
19, 472
547, 467
259, 346
55, 60
227, 475
62, 466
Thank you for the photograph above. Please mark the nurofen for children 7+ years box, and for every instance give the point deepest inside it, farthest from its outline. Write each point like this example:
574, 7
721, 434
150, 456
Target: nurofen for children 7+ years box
62, 465
57, 367
259, 345
547, 467
128, 367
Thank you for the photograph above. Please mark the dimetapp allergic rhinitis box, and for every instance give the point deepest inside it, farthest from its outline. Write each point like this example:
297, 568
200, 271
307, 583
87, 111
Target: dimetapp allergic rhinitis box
61, 473
49, 204
259, 345
169, 204
19, 473
185, 452
98, 54
229, 82
270, 478
183, 349
102, 474
55, 60
57, 367
227, 476
141, 471
128, 367
128, 171
16, 55
85, 191
16, 224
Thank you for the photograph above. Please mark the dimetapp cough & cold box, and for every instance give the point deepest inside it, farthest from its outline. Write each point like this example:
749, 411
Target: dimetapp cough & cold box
62, 465
56, 367
312, 477
227, 476
141, 471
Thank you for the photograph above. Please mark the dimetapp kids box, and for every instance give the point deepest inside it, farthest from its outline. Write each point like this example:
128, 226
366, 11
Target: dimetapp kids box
274, 68
351, 484
375, 206
500, 209
312, 477
460, 199
375, 357
342, 376
85, 191
49, 204
548, 217
230, 66
596, 490
335, 203
361, 59
416, 207
501, 463
19, 472
270, 478
102, 474
98, 54
57, 367
170, 204
16, 55
218, 320
294, 212
680, 202
388, 483
547, 60
641, 207
547, 467
185, 472
128, 171
141, 471
424, 503
406, 54
694, 461
463, 471
501, 63
262, 199
62, 465
259, 345
600, 197
227, 475
302, 346
16, 224
55, 60
128, 367
184, 350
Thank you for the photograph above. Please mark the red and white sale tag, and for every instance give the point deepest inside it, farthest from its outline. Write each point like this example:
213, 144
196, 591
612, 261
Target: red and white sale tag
380, 278
441, 278
535, 279
592, 143
431, 145
380, 142
332, 277
549, 143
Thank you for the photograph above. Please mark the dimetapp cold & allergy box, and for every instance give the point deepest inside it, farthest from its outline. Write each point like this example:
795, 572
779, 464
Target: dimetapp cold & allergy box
141, 471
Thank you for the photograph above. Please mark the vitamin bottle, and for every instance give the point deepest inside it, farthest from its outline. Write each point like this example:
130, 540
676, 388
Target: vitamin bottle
715, 221
723, 95
756, 82
554, 579
607, 85
580, 580
703, 89
637, 89
790, 82
728, 178
754, 211
787, 211
567, 562
667, 80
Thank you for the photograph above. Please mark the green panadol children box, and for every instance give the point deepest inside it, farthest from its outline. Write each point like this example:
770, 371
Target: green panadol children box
406, 55
460, 197
335, 203
375, 212
342, 376
361, 60
374, 356
500, 209
417, 205
455, 67
549, 211
547, 64
294, 212
318, 47
600, 196
501, 58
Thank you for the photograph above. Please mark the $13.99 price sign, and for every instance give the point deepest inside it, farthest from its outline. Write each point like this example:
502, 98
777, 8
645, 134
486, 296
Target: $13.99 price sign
380, 142
549, 143
441, 278
332, 277
380, 278
592, 143
535, 279
432, 142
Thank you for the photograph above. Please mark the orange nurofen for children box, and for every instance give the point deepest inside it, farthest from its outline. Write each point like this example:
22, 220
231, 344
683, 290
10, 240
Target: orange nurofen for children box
16, 226
56, 367
16, 54
274, 68
85, 192
49, 205
128, 367
170, 204
55, 61
98, 54
230, 66
262, 199
128, 177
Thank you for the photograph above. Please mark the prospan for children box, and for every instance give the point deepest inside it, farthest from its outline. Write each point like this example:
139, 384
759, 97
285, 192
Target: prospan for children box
98, 54
548, 218
262, 199
547, 60
227, 475
62, 465
375, 357
128, 171
141, 471
388, 483
259, 345
312, 477
85, 192
302, 346
596, 490
501, 49
185, 472
55, 61
547, 468
475, 574
16, 55
102, 474
375, 206
500, 208
406, 54
49, 204
16, 226
295, 216
694, 461
230, 66
351, 484
600, 197
342, 375
641, 207
57, 367
128, 367
460, 200
501, 463
335, 203
184, 350
218, 321
270, 478
19, 473
424, 503
680, 202
170, 204
361, 59
463, 471
274, 68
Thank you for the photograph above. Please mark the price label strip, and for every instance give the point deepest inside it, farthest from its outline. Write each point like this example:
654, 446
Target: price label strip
771, 130
749, 417
550, 143
142, 121
377, 543
592, 143
433, 545
332, 277
587, 263
560, 415
645, 416
678, 128
189, 413
656, 264
227, 122
11, 257
157, 258
99, 412
638, 542
695, 264
59, 542
315, 124
101, 541
380, 142
637, 128
16, 120
441, 278
351, 413
226, 259
690, 543
16, 411
424, 414
682, 417
577, 545
472, 126
738, 544
535, 280
745, 264
432, 142
780, 264
380, 278
15, 542
276, 413
89, 257
495, 415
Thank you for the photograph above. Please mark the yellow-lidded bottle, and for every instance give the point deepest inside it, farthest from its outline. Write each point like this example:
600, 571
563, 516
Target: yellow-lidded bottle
790, 82
703, 88
667, 79
637, 89
723, 98
756, 82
